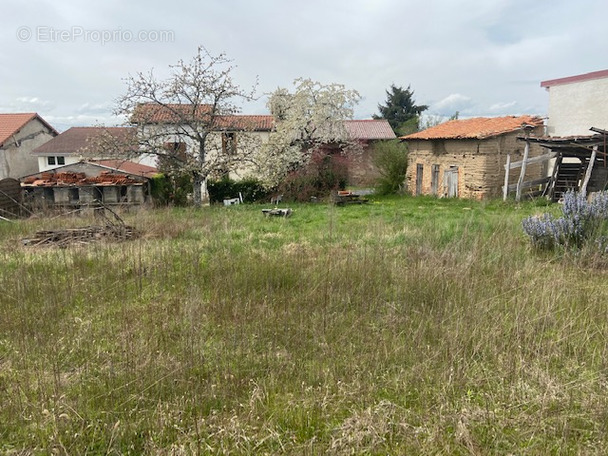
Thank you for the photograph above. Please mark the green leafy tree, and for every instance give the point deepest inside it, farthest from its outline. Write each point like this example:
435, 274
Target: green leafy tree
401, 110
390, 159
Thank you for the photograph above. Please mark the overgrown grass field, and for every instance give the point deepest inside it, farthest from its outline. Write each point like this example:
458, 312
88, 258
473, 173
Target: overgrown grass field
404, 326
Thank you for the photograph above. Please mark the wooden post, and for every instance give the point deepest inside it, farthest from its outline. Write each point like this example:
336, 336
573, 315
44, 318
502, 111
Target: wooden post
523, 171
505, 189
588, 171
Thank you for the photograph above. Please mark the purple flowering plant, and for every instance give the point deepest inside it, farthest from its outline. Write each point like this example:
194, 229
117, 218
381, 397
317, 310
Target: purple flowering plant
581, 221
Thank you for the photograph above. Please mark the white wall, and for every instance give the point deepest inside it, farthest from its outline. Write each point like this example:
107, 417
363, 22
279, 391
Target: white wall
577, 106
248, 145
44, 166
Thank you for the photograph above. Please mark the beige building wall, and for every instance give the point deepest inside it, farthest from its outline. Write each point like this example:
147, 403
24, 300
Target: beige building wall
575, 107
16, 159
249, 144
478, 164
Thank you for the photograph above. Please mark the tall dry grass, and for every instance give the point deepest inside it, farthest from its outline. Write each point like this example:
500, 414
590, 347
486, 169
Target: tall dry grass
407, 326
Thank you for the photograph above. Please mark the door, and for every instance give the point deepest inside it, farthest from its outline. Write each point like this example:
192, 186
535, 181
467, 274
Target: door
419, 171
450, 182
435, 180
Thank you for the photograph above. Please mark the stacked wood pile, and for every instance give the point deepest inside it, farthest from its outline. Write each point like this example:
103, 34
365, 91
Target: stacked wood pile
343, 197
83, 235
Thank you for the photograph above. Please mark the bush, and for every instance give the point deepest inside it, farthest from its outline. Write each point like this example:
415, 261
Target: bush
171, 189
581, 221
390, 158
324, 172
252, 190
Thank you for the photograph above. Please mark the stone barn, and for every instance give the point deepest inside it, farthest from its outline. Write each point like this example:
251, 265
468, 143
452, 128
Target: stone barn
467, 157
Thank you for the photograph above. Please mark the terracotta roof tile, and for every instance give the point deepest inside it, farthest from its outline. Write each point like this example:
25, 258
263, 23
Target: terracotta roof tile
475, 128
150, 113
12, 123
246, 122
129, 167
369, 129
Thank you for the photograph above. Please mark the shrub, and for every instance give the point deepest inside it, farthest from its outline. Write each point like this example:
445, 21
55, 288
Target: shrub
390, 158
252, 190
323, 173
171, 189
581, 221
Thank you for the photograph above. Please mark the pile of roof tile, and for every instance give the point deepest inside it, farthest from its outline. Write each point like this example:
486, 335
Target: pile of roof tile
47, 179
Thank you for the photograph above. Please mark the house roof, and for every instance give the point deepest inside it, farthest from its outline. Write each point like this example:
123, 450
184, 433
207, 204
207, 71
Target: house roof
475, 128
578, 78
128, 167
369, 129
75, 140
151, 113
10, 124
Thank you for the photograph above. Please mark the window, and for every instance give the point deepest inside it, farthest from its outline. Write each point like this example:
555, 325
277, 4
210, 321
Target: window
229, 143
53, 161
176, 149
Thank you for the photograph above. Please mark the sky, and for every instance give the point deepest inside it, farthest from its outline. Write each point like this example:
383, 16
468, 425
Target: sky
68, 60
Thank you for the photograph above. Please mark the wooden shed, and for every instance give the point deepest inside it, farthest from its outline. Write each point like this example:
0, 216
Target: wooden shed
467, 157
88, 184
580, 163
10, 198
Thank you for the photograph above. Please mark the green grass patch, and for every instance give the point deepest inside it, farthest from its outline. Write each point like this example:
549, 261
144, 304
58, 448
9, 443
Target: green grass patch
403, 326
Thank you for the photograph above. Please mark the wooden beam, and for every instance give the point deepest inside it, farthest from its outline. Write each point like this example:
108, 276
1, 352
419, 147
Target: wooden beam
505, 188
522, 173
530, 184
589, 171
539, 159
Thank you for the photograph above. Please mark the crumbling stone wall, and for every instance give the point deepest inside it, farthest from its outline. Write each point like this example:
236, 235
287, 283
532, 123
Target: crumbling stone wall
480, 164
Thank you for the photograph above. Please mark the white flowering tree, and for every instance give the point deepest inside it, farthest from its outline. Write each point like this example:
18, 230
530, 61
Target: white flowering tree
310, 117
181, 119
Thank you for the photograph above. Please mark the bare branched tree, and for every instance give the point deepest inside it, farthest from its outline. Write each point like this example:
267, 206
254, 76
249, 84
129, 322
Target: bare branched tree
309, 118
188, 120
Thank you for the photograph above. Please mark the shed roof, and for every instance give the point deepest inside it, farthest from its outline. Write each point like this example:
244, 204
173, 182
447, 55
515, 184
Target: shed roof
10, 124
84, 173
75, 140
129, 167
369, 129
475, 128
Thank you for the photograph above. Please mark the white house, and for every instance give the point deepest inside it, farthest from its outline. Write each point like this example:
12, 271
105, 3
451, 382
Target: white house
236, 139
79, 143
577, 133
577, 103
233, 140
20, 134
